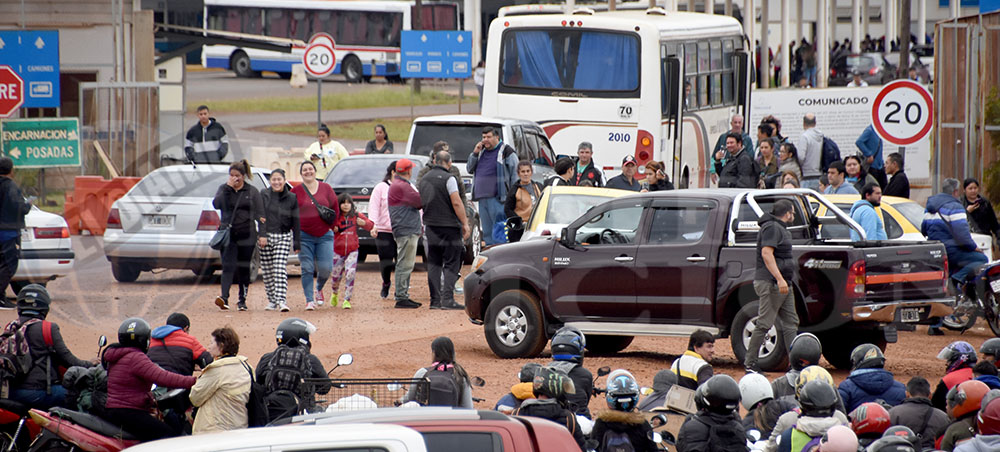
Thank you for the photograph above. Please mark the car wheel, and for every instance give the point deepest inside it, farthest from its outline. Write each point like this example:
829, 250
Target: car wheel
240, 64
602, 345
125, 272
255, 264
772, 350
474, 246
351, 68
838, 344
513, 325
362, 257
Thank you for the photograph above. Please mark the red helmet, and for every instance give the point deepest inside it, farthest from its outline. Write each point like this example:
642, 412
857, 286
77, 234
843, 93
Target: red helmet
989, 418
870, 419
966, 397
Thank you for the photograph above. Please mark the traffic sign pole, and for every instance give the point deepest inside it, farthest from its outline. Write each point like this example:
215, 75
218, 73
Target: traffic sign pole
319, 60
319, 103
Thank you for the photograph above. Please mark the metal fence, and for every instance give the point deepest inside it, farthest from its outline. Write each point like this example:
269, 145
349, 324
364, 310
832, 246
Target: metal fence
366, 393
124, 119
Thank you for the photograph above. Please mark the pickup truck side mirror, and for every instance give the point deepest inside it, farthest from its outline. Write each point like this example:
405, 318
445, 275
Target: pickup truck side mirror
564, 238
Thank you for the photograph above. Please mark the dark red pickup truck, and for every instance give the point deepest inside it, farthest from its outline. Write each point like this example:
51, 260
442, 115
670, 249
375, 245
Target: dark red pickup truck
668, 263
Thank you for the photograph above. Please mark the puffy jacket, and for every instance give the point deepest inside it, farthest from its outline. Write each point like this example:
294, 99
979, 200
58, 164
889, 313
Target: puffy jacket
948, 381
946, 222
981, 443
710, 432
513, 399
506, 169
41, 353
221, 395
919, 415
791, 419
378, 207
345, 239
176, 351
13, 207
207, 144
738, 171
131, 374
632, 424
551, 409
869, 385
864, 213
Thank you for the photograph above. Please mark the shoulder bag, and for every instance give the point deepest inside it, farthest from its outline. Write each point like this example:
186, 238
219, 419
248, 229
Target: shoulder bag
326, 214
221, 238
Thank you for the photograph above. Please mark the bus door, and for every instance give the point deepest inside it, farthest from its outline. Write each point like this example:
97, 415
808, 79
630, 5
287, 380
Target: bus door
671, 105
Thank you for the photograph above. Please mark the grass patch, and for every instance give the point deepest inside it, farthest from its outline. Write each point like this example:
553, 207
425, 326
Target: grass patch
398, 128
55, 202
371, 98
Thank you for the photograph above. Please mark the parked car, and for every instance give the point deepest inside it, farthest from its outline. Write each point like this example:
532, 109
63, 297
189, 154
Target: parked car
558, 206
46, 250
701, 247
347, 437
873, 67
450, 429
167, 221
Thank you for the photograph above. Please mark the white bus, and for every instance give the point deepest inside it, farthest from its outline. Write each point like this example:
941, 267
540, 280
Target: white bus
653, 84
367, 33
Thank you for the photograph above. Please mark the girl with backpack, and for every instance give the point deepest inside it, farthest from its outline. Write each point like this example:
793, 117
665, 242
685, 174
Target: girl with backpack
345, 248
449, 383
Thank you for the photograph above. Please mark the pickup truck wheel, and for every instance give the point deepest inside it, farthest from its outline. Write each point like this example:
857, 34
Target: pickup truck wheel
513, 325
124, 272
772, 351
602, 345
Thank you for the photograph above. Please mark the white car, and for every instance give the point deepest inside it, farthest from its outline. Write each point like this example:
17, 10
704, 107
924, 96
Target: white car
46, 249
346, 437
167, 221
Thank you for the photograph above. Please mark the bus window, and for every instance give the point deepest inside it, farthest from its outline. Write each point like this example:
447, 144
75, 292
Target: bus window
301, 25
703, 58
716, 50
276, 23
716, 89
728, 75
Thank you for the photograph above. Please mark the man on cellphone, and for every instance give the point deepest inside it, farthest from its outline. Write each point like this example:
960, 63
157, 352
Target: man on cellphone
493, 166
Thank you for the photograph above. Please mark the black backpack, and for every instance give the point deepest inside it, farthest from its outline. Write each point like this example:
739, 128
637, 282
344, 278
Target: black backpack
283, 381
616, 442
443, 390
831, 153
257, 415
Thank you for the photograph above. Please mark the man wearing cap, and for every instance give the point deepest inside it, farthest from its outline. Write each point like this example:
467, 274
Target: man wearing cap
585, 169
13, 208
739, 170
493, 166
404, 215
626, 180
173, 349
42, 386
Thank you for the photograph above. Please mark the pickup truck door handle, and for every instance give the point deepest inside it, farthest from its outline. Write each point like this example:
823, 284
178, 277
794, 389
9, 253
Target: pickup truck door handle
697, 259
624, 259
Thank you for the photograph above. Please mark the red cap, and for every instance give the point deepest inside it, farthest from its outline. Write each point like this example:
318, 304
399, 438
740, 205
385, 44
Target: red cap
628, 159
403, 165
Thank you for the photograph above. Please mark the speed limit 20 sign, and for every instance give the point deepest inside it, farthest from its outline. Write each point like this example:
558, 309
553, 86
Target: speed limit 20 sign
903, 112
319, 59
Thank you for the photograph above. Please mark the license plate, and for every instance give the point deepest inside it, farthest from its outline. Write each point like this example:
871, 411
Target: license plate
995, 285
362, 207
159, 221
910, 314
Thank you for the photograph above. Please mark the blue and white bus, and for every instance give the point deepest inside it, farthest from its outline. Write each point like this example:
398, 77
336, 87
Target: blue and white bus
367, 33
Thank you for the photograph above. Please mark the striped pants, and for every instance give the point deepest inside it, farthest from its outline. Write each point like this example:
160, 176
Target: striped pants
273, 262
344, 267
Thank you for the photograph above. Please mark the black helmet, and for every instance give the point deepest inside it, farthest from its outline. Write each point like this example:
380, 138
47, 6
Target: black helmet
134, 332
553, 383
33, 301
990, 347
867, 356
568, 345
804, 351
892, 444
818, 399
528, 371
294, 332
720, 394
902, 431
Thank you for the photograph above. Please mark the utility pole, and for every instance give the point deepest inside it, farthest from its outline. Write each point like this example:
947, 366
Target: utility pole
417, 24
904, 38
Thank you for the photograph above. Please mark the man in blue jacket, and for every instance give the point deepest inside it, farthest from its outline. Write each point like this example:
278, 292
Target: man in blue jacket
870, 145
869, 381
863, 212
493, 166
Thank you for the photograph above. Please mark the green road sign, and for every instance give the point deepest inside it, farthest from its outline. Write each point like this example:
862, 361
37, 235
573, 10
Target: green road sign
41, 142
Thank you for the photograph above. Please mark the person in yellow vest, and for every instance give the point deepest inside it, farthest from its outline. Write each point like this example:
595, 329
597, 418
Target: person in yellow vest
692, 368
325, 152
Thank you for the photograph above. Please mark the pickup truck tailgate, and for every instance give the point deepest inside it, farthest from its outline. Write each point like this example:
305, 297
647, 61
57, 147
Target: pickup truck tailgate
904, 271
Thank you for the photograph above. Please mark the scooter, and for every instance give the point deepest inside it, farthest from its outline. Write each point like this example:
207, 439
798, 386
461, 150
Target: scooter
978, 298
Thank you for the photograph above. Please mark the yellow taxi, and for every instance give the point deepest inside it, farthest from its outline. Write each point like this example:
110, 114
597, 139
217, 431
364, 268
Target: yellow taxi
559, 206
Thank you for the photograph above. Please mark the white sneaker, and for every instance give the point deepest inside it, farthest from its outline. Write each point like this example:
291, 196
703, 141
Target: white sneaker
310, 306
284, 307
271, 306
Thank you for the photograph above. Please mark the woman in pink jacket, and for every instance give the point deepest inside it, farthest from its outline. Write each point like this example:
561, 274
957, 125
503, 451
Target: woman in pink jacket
378, 211
131, 374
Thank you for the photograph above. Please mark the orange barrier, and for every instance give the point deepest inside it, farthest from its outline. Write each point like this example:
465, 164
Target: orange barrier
87, 206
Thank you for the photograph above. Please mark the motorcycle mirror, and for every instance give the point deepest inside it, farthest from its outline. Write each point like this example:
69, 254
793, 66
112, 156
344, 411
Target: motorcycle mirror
659, 420
478, 382
668, 438
656, 437
753, 435
393, 387
345, 360
603, 371
102, 341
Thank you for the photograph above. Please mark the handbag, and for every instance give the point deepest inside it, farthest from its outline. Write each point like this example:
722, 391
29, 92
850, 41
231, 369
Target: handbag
326, 214
221, 238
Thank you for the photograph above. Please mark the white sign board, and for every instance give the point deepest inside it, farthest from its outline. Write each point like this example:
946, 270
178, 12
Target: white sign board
903, 112
842, 114
319, 60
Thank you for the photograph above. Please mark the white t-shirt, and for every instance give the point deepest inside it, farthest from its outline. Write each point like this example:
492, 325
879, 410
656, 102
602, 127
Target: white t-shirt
479, 76
856, 85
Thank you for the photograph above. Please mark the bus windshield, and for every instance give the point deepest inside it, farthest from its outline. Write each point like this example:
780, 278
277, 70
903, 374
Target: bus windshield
569, 60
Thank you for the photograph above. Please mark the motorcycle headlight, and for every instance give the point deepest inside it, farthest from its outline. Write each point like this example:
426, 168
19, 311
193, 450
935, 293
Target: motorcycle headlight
478, 263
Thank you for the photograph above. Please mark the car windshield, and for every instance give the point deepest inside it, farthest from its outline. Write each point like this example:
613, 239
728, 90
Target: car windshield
363, 172
860, 62
184, 184
913, 212
563, 209
461, 138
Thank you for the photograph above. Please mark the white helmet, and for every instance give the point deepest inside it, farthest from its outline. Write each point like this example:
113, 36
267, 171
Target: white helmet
754, 387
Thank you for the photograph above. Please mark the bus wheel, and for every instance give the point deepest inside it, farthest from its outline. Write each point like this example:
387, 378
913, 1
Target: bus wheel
240, 64
352, 69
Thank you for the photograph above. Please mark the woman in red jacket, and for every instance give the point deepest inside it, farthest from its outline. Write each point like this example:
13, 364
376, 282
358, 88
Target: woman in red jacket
345, 248
130, 376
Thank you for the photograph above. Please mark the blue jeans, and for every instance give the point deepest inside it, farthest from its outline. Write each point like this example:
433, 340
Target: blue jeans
810, 183
490, 213
964, 263
37, 398
316, 255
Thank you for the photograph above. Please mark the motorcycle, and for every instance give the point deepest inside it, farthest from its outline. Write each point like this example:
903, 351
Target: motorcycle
978, 298
17, 429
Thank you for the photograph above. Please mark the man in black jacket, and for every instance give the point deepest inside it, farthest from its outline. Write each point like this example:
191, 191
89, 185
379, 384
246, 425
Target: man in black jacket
739, 171
917, 412
446, 229
206, 142
899, 184
13, 208
585, 169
